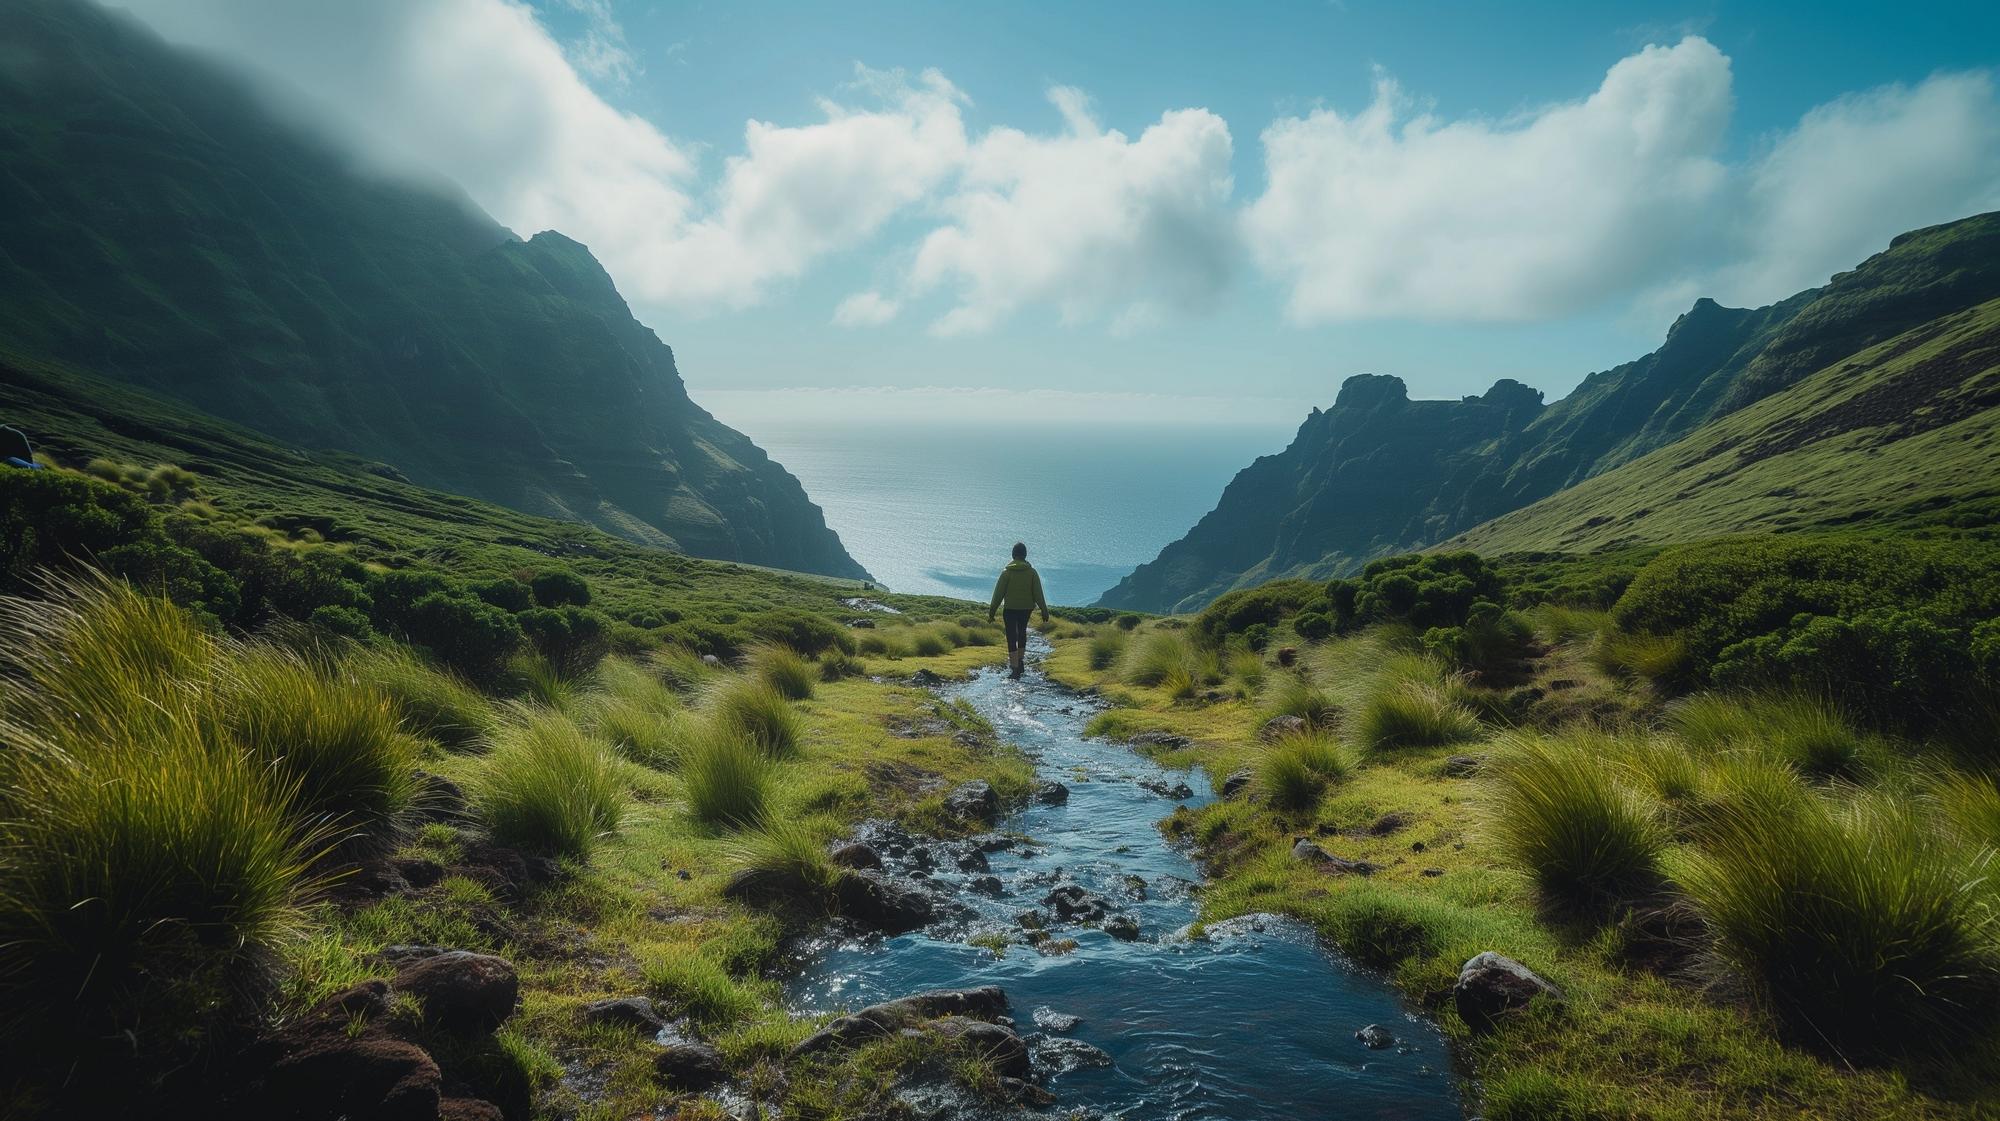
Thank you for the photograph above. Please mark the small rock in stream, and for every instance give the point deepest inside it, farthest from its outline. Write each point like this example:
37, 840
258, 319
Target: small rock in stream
854, 854
1376, 1037
1060, 1055
1048, 1019
1050, 793
1125, 928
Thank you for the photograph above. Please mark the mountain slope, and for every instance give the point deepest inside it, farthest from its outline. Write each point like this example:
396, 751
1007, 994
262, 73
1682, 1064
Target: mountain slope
159, 227
1379, 474
1908, 426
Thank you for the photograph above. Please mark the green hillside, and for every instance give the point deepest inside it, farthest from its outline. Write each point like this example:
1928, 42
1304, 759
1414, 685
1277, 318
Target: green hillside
1378, 473
159, 227
1906, 427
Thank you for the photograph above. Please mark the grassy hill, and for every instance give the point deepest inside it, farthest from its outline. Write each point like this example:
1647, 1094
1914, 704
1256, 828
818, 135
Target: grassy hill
160, 227
1378, 473
1904, 428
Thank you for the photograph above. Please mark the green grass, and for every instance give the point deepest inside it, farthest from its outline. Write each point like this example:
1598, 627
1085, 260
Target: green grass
1854, 920
1298, 695
1400, 713
549, 786
1559, 810
836, 666
784, 669
331, 741
1105, 646
1801, 731
928, 644
1149, 658
758, 713
727, 781
433, 703
695, 984
1971, 804
792, 850
1296, 771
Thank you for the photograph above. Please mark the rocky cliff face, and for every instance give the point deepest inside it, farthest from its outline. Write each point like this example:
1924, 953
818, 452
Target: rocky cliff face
158, 226
1378, 473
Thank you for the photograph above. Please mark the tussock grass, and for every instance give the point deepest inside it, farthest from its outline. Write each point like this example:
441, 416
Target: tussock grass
681, 669
1298, 695
784, 669
1298, 768
1105, 646
879, 645
542, 683
928, 644
790, 850
330, 741
1159, 657
728, 781
758, 713
1854, 919
1971, 805
696, 984
1180, 684
433, 703
834, 665
1246, 668
639, 732
1802, 731
548, 785
1559, 623
1560, 810
1399, 712
1664, 659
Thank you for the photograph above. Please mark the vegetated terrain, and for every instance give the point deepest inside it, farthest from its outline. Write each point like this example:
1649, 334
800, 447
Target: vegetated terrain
159, 226
1735, 799
1907, 335
282, 729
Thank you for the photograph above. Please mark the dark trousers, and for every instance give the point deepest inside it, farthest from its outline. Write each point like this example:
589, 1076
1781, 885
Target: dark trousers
1017, 629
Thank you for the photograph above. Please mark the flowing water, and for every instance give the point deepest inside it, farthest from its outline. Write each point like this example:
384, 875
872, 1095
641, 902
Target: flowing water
1254, 1021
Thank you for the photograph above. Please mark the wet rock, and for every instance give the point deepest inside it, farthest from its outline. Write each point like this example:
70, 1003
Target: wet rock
1463, 766
854, 854
1125, 928
1048, 1019
974, 861
1060, 1055
1026, 1093
926, 678
1307, 852
689, 1065
1169, 740
1071, 903
1055, 947
1394, 821
992, 842
1006, 1052
1031, 920
1236, 782
634, 1012
880, 904
988, 886
1376, 1037
1050, 793
1135, 887
1178, 791
1491, 985
892, 1016
1278, 727
461, 990
973, 801
763, 887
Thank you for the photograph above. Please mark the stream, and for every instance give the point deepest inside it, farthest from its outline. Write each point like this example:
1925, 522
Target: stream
1254, 1020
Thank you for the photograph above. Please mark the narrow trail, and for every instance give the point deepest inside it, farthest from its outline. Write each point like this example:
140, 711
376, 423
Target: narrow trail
1253, 1021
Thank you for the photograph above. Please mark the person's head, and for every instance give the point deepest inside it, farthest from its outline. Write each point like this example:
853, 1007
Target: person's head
1020, 551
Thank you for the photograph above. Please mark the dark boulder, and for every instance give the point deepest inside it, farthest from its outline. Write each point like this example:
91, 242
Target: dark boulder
1125, 928
973, 861
1278, 727
319, 1068
1172, 741
1005, 1051
1048, 1019
878, 903
926, 678
1376, 1037
1051, 793
1234, 783
634, 1012
988, 886
854, 854
461, 990
973, 801
1491, 985
891, 1016
1306, 852
1059, 1055
469, 1109
690, 1066
1071, 903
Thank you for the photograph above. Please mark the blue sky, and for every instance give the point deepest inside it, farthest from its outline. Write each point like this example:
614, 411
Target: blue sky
1146, 203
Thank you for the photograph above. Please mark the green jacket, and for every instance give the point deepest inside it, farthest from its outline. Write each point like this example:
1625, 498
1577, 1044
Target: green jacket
1018, 589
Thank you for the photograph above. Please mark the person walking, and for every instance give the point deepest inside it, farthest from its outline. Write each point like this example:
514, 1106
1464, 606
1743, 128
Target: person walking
1016, 595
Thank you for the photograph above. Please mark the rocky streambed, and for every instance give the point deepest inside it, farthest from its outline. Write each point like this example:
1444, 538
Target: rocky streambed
1063, 938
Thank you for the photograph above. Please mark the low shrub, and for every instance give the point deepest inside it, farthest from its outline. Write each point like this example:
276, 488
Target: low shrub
758, 713
783, 669
1129, 622
1559, 809
1298, 768
549, 786
1853, 920
728, 781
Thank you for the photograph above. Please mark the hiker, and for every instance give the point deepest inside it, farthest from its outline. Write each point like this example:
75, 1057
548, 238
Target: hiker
1019, 591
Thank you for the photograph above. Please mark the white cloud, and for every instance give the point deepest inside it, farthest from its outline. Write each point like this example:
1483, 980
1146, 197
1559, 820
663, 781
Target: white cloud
1392, 212
1088, 221
865, 309
602, 52
1858, 171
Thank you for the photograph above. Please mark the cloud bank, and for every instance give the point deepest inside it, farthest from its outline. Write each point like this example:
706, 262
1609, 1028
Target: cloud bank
1622, 194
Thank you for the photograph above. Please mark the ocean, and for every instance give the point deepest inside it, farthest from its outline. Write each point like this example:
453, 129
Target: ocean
932, 508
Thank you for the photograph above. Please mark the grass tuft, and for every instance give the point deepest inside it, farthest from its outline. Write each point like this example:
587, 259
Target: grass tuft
1297, 695
549, 786
758, 713
1803, 732
1404, 713
1560, 811
432, 703
784, 669
1298, 768
728, 781
1105, 646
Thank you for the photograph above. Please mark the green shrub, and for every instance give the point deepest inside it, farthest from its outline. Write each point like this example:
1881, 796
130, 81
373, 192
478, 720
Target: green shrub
431, 702
1856, 921
1406, 713
783, 669
1560, 810
572, 639
1425, 590
1105, 646
1489, 638
728, 781
1298, 768
549, 786
1128, 622
331, 741
1266, 605
1313, 626
810, 635
507, 594
759, 714
558, 587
